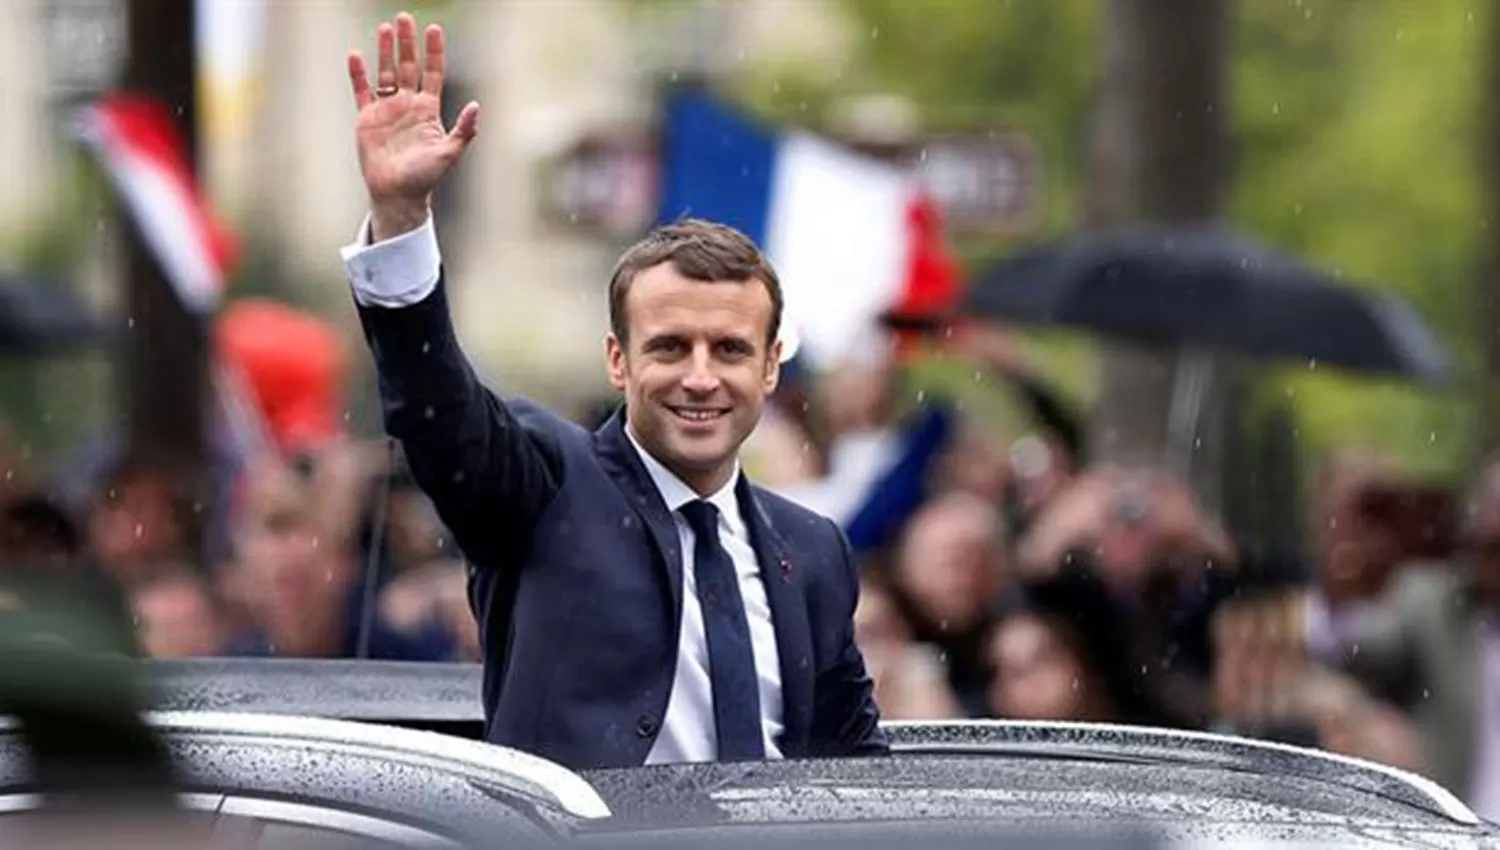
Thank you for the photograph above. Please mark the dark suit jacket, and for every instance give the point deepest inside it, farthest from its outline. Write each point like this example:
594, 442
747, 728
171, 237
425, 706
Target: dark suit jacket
575, 573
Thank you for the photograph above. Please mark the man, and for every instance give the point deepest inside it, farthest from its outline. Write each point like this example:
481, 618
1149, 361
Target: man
638, 599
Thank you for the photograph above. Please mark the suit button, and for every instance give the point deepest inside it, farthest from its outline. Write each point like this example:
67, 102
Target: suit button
646, 726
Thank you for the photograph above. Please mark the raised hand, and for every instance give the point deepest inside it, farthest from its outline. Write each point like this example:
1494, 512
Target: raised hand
404, 151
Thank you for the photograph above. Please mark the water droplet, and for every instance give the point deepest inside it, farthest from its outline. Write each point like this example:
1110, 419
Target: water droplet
426, 347
458, 476
1312, 364
801, 106
140, 530
776, 87
1296, 209
674, 76
430, 413
874, 32
1276, 108
978, 376
315, 541
197, 507
347, 416
627, 521
1426, 693
921, 396
1431, 437
1197, 442
130, 322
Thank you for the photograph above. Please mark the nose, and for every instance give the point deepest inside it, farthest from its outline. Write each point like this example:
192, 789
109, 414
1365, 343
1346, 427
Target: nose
701, 378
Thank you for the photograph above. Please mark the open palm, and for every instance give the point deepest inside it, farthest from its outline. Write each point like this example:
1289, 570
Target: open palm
404, 151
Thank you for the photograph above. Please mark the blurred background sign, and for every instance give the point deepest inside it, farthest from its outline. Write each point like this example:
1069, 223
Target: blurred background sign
86, 45
605, 183
985, 183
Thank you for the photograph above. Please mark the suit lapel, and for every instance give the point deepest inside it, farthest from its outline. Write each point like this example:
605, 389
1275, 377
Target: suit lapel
623, 465
788, 615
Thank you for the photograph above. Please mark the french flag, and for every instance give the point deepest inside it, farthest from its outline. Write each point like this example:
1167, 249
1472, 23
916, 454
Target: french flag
138, 145
853, 239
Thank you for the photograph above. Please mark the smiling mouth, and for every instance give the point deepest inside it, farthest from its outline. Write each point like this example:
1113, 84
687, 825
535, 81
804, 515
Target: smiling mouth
699, 414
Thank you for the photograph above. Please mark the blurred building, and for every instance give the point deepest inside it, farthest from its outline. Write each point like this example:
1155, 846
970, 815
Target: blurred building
279, 157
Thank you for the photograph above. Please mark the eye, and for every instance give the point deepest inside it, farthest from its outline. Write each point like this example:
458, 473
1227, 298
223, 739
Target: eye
735, 348
666, 345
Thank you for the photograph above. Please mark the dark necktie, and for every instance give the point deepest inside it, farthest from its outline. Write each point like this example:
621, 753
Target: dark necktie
731, 660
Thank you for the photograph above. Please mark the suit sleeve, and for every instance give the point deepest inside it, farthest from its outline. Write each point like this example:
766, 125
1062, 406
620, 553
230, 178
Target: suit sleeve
844, 696
487, 475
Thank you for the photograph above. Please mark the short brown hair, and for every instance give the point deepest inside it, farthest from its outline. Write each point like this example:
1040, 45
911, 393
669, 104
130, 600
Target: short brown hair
699, 250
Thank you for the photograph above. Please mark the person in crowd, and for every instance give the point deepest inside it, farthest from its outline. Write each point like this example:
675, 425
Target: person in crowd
638, 599
1134, 547
296, 576
947, 573
1429, 642
1042, 668
176, 616
139, 521
911, 682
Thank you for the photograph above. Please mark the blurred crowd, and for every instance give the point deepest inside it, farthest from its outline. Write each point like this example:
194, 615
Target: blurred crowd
1024, 582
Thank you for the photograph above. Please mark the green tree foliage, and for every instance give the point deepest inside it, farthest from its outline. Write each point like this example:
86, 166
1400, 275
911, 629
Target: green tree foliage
1355, 126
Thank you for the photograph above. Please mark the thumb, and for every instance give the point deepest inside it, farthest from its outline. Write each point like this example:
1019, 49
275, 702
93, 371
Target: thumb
464, 129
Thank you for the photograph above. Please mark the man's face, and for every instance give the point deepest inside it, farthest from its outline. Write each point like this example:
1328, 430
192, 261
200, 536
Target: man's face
695, 370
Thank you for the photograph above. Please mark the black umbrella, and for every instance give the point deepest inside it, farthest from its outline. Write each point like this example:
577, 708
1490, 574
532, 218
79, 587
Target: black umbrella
40, 316
1207, 289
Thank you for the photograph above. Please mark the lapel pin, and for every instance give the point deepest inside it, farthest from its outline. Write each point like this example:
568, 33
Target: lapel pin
786, 567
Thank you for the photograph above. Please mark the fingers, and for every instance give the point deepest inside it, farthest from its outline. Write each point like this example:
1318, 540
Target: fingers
386, 36
465, 128
408, 72
360, 80
435, 62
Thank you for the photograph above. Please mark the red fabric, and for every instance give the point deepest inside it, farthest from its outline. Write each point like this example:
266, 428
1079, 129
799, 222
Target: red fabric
145, 126
294, 364
934, 276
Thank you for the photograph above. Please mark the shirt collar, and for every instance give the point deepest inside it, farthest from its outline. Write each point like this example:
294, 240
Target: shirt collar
676, 493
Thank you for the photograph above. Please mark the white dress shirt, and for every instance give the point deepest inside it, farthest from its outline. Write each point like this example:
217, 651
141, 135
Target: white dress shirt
402, 271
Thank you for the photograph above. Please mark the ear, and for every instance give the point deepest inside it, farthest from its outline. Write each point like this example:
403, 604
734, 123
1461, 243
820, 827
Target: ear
773, 367
614, 362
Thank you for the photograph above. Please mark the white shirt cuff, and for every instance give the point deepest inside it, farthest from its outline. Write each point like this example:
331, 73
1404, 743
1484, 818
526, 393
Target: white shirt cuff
398, 272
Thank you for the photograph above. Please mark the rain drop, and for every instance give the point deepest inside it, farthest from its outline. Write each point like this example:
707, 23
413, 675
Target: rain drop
1276, 108
1431, 437
627, 521
197, 507
315, 541
776, 87
978, 376
572, 218
922, 156
1426, 693
426, 347
674, 76
801, 106
1400, 33
458, 477
130, 322
139, 531
874, 32
1197, 442
347, 416
1312, 364
430, 413
921, 396
1296, 209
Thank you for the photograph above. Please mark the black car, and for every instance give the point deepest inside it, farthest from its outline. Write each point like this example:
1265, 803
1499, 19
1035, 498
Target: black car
400, 743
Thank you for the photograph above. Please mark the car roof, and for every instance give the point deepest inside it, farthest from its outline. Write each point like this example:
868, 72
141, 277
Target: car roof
941, 761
